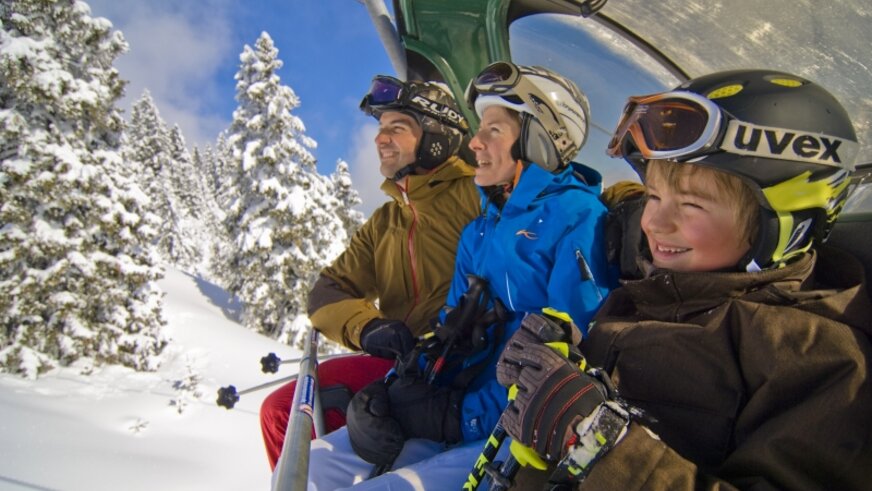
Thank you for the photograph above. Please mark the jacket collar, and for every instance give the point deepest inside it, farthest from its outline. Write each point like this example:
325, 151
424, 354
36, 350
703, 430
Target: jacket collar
835, 289
536, 182
422, 187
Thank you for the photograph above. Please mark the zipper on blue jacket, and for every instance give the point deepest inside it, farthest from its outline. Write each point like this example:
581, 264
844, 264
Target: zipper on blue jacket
586, 273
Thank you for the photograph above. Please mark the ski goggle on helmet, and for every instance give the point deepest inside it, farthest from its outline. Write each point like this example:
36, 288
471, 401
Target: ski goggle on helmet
554, 112
784, 136
388, 93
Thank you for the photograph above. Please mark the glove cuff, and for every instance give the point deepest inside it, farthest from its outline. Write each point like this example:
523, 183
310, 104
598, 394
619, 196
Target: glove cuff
594, 437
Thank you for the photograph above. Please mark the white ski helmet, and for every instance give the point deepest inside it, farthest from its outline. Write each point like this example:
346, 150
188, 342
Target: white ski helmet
554, 112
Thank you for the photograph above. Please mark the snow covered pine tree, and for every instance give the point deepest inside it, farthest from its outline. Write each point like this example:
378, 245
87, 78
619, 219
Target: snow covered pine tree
77, 277
284, 218
164, 171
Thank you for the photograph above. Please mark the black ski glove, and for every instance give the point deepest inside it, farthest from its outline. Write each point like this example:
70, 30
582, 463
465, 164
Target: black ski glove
553, 395
386, 338
375, 436
426, 411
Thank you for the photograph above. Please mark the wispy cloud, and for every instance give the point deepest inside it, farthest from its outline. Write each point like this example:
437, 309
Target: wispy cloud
176, 50
364, 165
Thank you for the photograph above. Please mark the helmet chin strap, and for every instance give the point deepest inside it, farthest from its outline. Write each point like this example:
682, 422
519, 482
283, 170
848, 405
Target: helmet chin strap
405, 171
410, 168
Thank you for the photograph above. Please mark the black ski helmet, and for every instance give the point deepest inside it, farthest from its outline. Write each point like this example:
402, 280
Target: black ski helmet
443, 126
786, 137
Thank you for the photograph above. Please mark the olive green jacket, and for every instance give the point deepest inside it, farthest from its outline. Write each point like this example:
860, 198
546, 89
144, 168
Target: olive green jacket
399, 264
752, 380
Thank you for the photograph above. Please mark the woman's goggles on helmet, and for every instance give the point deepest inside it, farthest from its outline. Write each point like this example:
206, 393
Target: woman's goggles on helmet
507, 80
670, 125
497, 78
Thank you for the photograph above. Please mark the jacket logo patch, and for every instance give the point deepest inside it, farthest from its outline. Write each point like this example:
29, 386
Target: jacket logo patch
778, 143
526, 234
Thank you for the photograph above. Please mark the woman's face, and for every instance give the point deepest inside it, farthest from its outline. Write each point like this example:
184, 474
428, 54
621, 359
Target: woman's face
492, 144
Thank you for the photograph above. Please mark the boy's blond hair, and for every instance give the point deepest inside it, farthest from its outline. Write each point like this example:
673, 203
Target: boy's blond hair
731, 187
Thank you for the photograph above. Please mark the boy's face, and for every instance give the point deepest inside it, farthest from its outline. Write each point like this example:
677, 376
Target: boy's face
693, 228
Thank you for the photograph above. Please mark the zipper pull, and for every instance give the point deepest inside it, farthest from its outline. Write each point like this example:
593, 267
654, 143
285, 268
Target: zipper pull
586, 273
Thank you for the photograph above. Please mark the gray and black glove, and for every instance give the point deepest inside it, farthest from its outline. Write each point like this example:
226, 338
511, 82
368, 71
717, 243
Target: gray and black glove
553, 395
386, 338
375, 436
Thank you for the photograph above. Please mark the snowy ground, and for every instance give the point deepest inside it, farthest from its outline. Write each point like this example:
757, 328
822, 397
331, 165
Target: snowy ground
121, 430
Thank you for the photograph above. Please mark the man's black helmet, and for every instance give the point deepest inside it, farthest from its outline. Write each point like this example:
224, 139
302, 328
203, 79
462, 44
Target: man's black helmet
433, 107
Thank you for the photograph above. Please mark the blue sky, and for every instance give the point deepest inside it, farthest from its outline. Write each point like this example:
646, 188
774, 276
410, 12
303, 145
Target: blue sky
187, 52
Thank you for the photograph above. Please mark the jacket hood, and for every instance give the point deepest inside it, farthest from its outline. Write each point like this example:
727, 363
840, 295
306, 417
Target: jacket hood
834, 289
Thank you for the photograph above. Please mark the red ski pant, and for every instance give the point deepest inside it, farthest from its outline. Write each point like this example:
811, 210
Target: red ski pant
354, 372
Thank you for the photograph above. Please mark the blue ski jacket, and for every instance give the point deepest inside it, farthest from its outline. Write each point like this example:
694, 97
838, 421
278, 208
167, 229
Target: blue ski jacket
546, 247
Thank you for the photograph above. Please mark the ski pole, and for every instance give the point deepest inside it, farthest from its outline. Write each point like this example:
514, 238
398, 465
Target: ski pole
292, 473
485, 460
228, 396
270, 363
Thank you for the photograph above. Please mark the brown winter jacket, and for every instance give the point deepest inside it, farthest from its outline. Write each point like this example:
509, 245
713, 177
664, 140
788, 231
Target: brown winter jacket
402, 257
755, 380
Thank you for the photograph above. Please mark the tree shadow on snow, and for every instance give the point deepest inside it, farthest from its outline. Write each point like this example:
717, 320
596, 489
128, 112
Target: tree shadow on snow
230, 306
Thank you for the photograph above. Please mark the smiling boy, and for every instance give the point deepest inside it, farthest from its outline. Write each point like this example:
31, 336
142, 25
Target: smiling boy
741, 357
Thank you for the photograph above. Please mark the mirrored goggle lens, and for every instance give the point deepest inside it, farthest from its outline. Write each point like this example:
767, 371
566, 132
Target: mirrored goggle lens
671, 125
384, 91
663, 128
496, 74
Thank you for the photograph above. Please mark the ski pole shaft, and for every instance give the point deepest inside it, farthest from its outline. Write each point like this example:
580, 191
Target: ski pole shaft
289, 378
485, 459
271, 362
228, 396
293, 469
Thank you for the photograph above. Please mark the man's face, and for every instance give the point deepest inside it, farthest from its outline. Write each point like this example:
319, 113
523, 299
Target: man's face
396, 141
693, 228
492, 145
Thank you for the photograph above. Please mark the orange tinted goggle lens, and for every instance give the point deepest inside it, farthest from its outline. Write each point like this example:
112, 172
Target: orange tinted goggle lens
671, 125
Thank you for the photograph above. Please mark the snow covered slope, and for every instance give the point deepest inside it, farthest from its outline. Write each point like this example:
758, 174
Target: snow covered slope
118, 429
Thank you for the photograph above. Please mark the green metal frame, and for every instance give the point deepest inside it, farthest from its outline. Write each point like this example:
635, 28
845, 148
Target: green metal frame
456, 37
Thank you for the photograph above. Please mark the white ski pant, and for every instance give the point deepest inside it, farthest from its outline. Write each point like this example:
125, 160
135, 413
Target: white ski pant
422, 465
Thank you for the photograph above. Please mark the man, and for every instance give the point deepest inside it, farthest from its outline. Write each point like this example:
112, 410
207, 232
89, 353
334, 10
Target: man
382, 291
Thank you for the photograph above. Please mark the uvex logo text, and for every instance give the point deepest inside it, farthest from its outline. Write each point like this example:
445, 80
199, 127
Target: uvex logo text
439, 110
778, 143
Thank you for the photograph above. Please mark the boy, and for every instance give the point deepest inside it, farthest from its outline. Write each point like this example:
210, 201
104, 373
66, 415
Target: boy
741, 355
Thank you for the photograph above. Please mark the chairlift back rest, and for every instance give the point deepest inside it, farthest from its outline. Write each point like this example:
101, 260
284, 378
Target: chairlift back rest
853, 230
853, 233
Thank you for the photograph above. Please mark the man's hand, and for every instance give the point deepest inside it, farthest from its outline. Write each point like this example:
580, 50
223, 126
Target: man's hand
553, 395
426, 411
376, 437
386, 338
